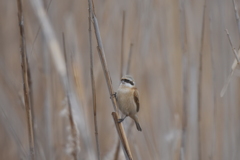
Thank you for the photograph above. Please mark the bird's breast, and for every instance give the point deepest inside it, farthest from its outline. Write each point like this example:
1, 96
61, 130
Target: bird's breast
125, 101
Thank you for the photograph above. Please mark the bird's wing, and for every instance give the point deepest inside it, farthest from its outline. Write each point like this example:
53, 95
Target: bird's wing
136, 98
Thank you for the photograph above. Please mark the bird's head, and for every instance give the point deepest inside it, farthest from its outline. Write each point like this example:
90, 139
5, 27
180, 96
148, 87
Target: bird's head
127, 80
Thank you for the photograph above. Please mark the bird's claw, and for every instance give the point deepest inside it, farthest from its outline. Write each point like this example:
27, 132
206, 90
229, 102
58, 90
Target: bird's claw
120, 120
113, 95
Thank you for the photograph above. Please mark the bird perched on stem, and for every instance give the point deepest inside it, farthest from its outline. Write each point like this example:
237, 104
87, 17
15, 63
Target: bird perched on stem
128, 99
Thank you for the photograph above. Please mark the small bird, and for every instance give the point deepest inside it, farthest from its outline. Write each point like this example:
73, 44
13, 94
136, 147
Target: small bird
128, 99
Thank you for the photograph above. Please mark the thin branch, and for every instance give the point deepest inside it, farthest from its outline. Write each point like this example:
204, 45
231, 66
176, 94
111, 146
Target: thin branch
122, 44
93, 82
26, 82
71, 120
234, 50
129, 59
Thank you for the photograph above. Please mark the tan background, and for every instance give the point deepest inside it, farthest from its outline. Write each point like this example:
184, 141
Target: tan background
167, 37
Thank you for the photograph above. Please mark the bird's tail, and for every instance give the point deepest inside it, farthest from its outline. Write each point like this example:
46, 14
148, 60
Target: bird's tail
138, 126
136, 122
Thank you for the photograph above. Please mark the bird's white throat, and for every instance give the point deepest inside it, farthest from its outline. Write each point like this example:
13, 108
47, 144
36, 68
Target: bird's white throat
126, 85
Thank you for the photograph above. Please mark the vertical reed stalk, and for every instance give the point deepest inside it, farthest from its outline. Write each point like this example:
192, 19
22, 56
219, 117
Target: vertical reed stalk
119, 127
93, 82
122, 134
26, 83
122, 45
129, 59
122, 137
127, 72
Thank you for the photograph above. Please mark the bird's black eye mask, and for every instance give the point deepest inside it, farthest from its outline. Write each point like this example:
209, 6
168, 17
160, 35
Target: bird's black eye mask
128, 81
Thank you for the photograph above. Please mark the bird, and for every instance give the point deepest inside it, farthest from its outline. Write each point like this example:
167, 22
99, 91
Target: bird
128, 99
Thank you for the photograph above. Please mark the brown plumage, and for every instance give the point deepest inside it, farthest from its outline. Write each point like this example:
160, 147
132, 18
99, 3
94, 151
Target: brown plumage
128, 99
136, 99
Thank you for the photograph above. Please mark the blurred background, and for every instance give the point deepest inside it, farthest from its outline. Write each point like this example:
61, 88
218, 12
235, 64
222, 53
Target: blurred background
181, 58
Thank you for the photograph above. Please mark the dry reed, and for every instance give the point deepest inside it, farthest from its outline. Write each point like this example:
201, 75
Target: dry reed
129, 58
127, 72
27, 86
93, 80
170, 48
122, 45
122, 134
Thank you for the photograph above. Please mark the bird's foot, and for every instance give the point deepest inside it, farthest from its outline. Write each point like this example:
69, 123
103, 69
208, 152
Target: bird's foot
113, 95
120, 120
